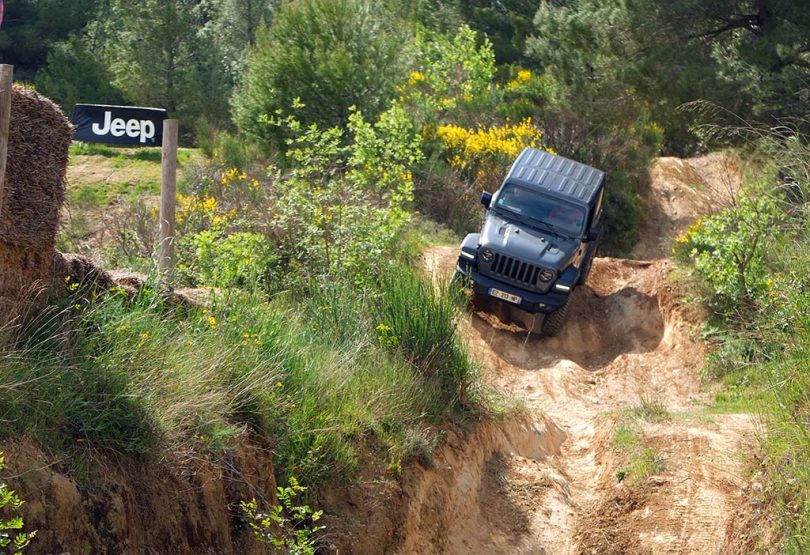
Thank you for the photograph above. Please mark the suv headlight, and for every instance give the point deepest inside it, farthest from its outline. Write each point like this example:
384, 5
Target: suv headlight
487, 255
545, 275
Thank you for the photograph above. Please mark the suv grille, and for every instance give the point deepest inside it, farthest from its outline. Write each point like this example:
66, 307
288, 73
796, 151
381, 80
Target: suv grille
512, 269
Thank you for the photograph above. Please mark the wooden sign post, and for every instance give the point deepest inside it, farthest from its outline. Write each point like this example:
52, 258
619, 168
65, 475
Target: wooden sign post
168, 200
6, 81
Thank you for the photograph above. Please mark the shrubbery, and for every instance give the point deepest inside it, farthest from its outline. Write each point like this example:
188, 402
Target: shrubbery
753, 262
729, 252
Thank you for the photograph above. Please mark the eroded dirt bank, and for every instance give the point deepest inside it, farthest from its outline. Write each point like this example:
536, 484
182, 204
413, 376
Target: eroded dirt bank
629, 343
120, 506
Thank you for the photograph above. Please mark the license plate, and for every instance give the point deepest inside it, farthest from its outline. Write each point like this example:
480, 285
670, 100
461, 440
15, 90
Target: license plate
504, 295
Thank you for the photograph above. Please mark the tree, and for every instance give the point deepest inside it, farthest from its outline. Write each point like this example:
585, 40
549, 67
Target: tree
328, 56
163, 53
752, 57
240, 20
505, 23
32, 27
74, 73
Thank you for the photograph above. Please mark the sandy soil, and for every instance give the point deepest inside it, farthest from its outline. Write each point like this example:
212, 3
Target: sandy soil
628, 338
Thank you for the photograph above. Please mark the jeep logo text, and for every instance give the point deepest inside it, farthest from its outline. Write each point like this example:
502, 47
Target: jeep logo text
133, 127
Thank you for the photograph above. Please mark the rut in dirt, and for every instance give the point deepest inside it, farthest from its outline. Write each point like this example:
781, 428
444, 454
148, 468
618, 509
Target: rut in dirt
628, 340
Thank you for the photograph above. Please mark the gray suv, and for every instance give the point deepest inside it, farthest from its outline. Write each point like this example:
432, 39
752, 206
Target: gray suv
539, 236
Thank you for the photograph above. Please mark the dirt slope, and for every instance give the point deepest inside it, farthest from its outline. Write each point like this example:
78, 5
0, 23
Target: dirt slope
681, 191
628, 341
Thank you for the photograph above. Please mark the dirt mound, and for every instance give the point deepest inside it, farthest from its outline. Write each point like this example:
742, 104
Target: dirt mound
681, 191
683, 509
478, 494
624, 308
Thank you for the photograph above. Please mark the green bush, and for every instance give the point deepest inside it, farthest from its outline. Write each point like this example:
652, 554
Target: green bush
10, 523
729, 251
289, 526
241, 259
347, 196
328, 56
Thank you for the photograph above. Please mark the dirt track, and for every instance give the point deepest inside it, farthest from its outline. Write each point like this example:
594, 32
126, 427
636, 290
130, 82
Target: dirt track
551, 485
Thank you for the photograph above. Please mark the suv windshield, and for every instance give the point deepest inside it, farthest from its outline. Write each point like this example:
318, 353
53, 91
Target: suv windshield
533, 205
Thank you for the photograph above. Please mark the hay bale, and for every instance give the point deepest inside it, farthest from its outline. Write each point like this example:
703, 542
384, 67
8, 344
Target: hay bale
39, 137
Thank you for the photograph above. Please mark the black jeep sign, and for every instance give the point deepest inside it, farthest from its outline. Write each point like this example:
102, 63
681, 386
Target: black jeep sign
118, 125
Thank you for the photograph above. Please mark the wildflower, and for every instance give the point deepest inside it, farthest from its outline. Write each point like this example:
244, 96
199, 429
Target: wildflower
386, 336
212, 322
416, 77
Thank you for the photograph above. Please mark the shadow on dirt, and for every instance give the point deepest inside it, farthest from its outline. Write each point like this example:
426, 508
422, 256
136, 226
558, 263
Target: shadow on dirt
599, 328
503, 499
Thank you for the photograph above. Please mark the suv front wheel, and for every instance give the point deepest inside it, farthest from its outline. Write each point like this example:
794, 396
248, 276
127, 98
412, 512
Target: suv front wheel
553, 322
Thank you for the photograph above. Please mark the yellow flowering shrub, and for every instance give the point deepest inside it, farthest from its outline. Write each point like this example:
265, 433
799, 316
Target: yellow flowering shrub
216, 202
416, 77
522, 78
481, 153
196, 210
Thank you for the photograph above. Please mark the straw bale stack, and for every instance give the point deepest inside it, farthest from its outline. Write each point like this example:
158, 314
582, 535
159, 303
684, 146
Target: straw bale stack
30, 266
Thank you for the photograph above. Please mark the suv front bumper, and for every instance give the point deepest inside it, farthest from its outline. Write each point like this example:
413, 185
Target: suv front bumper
530, 301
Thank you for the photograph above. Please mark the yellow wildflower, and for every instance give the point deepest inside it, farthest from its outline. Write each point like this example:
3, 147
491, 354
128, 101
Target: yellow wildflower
416, 77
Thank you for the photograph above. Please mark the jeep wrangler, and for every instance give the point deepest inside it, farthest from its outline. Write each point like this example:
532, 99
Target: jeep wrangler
539, 237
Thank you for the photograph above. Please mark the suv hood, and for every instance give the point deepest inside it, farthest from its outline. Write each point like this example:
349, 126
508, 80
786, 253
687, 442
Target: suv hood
527, 243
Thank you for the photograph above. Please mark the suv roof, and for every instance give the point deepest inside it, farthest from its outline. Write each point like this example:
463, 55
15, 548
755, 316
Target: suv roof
556, 174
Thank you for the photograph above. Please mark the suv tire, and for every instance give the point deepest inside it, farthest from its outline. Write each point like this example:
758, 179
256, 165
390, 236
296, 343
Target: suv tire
586, 267
553, 322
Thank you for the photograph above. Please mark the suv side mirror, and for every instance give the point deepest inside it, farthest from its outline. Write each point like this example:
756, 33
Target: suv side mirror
486, 199
593, 234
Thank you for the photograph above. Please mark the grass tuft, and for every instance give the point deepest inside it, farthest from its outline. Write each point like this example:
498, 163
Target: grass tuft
651, 409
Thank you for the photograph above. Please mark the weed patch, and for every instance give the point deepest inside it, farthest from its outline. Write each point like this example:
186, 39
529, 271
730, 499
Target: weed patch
641, 460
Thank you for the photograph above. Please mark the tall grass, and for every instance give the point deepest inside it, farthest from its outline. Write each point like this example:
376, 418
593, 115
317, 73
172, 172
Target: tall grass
310, 377
425, 331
